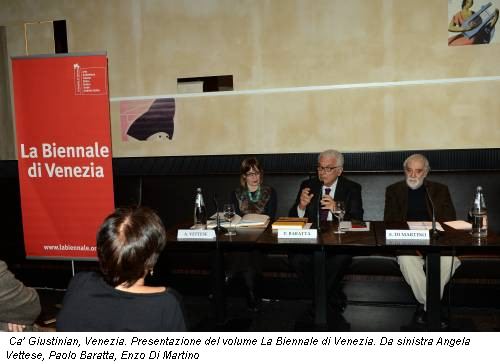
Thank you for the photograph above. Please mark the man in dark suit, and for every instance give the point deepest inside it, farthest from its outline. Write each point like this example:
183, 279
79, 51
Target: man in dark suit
324, 191
408, 200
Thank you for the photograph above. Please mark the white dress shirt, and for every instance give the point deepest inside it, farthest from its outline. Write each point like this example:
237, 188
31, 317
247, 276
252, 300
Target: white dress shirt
333, 187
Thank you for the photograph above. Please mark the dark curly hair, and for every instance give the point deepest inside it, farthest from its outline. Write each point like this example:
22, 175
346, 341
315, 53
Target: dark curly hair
129, 242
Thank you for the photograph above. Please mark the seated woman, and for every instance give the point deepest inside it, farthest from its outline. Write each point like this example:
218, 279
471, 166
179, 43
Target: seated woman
251, 197
128, 245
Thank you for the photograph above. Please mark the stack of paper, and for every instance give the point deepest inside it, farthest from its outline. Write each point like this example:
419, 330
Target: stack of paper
459, 225
289, 223
423, 225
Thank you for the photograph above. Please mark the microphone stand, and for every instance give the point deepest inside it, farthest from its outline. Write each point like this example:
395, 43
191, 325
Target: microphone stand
218, 229
434, 230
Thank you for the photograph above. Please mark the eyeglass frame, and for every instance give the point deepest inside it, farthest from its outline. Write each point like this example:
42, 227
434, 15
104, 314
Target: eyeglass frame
252, 174
327, 169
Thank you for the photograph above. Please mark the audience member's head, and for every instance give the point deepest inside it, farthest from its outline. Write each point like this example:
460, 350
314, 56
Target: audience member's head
128, 244
416, 168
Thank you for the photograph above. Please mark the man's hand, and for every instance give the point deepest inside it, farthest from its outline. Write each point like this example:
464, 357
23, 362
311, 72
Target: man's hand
16, 327
305, 198
327, 203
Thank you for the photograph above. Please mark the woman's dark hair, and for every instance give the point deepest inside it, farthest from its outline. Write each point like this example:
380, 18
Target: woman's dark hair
129, 242
246, 166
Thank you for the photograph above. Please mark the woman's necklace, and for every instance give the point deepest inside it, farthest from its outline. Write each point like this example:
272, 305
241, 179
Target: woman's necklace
254, 196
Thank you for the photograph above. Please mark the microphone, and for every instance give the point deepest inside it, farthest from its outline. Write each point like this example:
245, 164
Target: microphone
312, 180
218, 229
434, 231
318, 210
139, 193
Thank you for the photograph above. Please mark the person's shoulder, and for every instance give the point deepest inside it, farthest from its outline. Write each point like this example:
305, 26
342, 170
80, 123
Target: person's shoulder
268, 189
238, 192
310, 182
436, 185
397, 186
83, 278
87, 275
172, 292
349, 183
5, 274
170, 297
3, 266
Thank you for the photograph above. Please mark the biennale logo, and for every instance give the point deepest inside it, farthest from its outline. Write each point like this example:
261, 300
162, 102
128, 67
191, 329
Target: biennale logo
89, 80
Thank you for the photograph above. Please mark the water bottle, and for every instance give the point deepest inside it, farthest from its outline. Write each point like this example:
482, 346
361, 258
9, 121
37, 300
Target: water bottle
478, 215
200, 213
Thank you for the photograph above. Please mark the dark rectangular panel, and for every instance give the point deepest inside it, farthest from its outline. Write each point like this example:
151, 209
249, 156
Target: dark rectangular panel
60, 36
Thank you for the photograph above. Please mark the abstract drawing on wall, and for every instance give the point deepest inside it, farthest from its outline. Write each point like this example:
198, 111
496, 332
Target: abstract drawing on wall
147, 120
472, 22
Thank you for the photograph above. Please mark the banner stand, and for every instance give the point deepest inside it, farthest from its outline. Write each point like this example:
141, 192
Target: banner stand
63, 137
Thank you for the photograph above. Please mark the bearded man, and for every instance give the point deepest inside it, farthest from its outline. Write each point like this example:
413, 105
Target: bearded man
408, 200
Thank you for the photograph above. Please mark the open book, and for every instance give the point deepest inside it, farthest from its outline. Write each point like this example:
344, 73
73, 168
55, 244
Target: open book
248, 220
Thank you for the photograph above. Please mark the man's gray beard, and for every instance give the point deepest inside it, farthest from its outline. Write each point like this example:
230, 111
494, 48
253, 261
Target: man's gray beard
414, 186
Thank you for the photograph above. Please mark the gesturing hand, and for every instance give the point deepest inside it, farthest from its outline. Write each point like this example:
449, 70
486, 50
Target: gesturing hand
305, 198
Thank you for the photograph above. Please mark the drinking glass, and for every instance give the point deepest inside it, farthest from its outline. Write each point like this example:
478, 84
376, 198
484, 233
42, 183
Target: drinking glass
339, 213
229, 213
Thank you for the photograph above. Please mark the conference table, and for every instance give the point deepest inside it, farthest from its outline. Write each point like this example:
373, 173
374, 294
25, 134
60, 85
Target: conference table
373, 241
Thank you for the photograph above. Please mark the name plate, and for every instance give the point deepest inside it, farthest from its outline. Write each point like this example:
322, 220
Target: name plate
185, 234
297, 234
407, 235
412, 242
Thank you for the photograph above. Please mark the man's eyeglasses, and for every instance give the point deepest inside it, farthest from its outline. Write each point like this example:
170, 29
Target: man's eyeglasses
327, 169
252, 174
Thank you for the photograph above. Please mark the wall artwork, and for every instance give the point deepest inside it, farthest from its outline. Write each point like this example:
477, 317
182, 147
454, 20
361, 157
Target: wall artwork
147, 120
472, 22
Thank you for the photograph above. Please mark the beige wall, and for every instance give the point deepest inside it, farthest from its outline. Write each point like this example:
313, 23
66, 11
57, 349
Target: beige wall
285, 45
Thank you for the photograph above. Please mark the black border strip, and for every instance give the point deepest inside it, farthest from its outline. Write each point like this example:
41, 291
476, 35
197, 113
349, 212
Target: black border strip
294, 163
300, 163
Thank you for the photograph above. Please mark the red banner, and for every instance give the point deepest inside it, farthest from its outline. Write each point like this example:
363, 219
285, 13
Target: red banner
64, 152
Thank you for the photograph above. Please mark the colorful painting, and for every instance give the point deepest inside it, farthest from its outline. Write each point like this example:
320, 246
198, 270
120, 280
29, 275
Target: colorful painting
147, 120
472, 22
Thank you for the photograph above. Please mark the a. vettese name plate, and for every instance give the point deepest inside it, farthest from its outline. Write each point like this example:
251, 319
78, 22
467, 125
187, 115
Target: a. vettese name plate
407, 235
185, 234
297, 234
